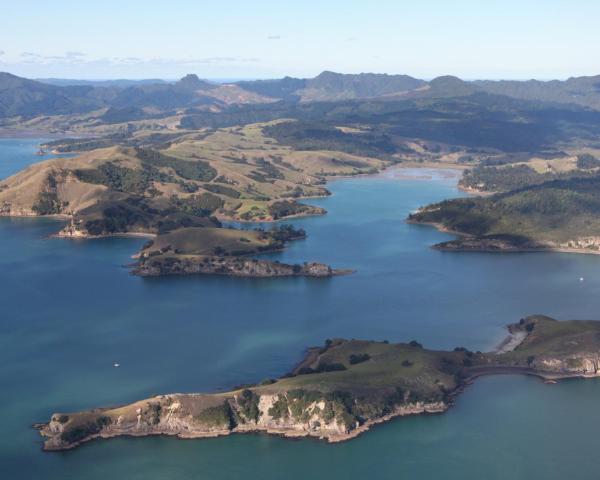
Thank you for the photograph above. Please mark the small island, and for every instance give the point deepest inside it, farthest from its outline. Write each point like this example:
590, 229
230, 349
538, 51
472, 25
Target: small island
224, 251
343, 388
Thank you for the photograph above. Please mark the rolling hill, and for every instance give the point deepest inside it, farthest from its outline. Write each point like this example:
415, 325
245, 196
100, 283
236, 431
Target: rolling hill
29, 98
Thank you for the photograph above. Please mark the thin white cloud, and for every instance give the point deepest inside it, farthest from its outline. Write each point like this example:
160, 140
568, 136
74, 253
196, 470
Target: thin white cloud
189, 61
274, 37
68, 57
81, 58
38, 65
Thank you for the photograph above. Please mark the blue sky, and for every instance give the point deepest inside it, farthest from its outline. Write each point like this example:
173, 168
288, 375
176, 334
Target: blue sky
265, 39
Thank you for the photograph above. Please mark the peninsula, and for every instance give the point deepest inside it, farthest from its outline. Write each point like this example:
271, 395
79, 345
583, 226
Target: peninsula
558, 214
340, 390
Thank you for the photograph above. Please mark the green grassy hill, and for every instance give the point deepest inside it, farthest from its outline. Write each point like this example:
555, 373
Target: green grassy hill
553, 213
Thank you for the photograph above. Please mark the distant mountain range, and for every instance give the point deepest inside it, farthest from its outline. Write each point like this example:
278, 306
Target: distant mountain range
329, 86
31, 98
68, 82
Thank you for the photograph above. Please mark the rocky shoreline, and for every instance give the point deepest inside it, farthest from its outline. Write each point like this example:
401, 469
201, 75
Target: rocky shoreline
230, 266
183, 430
333, 433
503, 243
227, 265
499, 244
309, 401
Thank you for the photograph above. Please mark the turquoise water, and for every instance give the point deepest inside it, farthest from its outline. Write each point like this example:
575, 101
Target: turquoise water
69, 311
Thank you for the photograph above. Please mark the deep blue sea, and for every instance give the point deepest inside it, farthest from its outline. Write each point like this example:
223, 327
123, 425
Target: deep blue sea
69, 310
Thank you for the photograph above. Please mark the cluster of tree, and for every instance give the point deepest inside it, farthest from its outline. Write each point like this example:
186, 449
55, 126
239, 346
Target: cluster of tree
188, 169
321, 136
47, 201
586, 161
555, 210
285, 233
221, 190
201, 205
358, 358
123, 179
322, 367
248, 402
513, 177
80, 432
218, 416
286, 208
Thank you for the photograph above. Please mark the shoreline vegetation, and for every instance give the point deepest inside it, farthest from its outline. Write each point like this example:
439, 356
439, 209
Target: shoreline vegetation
123, 191
538, 205
172, 161
494, 243
344, 388
107, 184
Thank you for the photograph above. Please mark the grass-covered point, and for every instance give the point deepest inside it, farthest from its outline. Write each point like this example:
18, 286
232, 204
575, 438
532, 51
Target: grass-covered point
224, 251
221, 241
513, 177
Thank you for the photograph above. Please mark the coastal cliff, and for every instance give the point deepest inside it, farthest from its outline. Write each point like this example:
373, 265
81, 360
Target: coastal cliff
205, 416
342, 389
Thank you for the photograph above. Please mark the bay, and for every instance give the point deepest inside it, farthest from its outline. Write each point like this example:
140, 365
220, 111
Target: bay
69, 310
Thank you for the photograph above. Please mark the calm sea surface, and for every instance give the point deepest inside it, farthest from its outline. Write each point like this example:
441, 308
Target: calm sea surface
69, 310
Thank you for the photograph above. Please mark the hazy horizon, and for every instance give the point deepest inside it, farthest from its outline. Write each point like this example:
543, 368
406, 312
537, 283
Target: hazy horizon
495, 40
245, 79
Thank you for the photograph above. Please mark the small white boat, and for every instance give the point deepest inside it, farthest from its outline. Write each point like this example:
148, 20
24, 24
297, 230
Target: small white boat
116, 365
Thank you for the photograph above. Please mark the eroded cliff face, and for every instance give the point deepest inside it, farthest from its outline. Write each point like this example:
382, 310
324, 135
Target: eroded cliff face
7, 209
552, 349
584, 365
289, 414
237, 266
73, 230
591, 244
